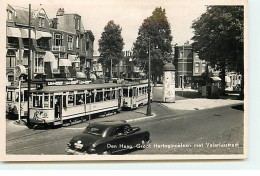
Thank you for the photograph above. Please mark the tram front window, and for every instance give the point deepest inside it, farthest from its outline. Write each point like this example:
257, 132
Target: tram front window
130, 92
125, 92
37, 101
46, 101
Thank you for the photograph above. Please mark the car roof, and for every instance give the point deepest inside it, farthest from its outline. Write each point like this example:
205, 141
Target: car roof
110, 123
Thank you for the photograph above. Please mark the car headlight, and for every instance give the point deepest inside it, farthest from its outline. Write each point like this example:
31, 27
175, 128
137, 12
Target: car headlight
78, 145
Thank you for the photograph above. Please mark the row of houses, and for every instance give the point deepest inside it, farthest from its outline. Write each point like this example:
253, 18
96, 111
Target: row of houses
191, 70
61, 47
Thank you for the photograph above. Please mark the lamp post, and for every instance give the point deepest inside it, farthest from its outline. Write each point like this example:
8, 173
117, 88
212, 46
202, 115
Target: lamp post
148, 112
29, 69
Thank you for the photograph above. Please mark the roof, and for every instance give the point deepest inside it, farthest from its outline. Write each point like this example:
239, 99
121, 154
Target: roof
169, 67
77, 87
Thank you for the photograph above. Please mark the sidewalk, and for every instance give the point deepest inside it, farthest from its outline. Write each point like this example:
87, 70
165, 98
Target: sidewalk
201, 103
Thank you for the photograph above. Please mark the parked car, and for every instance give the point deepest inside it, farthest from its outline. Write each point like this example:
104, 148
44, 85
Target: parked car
107, 138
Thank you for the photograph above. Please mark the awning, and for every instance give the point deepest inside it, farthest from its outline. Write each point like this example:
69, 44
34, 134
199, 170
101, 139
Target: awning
216, 79
49, 57
40, 34
25, 33
73, 58
227, 79
80, 75
13, 32
64, 62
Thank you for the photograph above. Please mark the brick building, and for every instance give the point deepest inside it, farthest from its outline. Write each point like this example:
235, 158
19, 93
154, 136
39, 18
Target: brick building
61, 47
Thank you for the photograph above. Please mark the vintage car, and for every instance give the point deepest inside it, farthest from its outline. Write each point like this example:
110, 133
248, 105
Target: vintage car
107, 138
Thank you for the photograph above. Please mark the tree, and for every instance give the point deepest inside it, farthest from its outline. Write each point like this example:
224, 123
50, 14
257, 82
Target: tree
219, 39
155, 29
110, 45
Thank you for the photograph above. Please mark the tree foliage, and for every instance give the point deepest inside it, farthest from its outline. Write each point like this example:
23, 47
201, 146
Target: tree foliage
219, 38
155, 28
110, 45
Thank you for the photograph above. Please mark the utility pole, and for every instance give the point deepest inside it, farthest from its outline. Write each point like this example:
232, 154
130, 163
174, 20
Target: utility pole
111, 68
183, 67
148, 112
29, 68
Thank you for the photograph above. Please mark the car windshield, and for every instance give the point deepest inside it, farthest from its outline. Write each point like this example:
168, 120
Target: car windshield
96, 130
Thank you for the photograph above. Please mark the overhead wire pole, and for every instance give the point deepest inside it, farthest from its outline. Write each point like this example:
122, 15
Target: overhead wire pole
29, 69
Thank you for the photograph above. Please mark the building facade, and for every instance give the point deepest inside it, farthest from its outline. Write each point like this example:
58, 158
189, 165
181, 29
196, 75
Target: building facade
60, 47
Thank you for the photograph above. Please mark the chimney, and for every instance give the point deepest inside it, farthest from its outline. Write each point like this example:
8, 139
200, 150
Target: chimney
60, 12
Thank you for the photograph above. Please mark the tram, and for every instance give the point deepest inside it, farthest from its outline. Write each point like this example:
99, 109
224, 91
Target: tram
12, 100
54, 105
135, 94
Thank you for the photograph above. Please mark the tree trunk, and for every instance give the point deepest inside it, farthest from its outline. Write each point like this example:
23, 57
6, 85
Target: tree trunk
223, 82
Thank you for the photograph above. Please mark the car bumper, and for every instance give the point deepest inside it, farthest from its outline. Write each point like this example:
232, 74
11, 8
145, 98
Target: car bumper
74, 152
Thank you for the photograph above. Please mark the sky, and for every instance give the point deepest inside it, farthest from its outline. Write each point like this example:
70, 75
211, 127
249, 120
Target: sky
129, 14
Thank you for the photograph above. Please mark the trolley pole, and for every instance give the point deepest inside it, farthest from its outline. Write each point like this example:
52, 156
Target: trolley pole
29, 69
148, 112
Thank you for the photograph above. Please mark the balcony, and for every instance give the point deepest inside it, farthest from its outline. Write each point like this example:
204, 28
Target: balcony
58, 49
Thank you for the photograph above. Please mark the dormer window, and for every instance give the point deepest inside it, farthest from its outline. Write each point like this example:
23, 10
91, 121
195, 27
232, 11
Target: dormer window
9, 15
41, 21
77, 22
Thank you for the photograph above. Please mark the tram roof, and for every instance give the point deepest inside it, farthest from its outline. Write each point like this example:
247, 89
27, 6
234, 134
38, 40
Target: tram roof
76, 87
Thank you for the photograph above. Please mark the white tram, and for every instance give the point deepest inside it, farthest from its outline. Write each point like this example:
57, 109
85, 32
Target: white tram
55, 105
135, 94
12, 100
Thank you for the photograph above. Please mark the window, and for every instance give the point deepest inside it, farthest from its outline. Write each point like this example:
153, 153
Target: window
107, 95
39, 67
71, 99
197, 67
41, 21
10, 96
58, 40
130, 92
46, 101
70, 42
10, 59
203, 67
37, 101
99, 96
77, 24
9, 15
77, 41
113, 94
80, 99
10, 78
90, 96
125, 92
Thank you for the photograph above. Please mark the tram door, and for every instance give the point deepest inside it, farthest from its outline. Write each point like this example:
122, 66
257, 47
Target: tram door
58, 107
119, 98
135, 90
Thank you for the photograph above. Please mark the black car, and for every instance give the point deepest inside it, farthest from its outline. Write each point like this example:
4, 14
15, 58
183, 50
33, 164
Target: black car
108, 138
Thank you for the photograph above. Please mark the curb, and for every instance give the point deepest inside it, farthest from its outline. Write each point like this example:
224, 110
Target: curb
141, 118
197, 109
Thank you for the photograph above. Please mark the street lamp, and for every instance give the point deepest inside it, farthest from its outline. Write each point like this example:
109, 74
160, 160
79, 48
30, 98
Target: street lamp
148, 111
